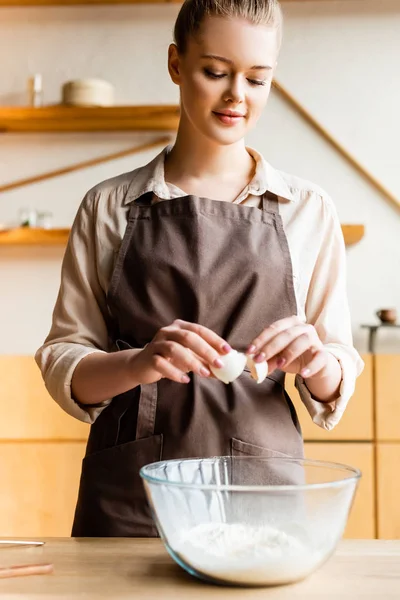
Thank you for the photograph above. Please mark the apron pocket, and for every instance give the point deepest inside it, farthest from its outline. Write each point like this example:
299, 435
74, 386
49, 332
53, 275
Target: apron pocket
238, 448
112, 500
260, 472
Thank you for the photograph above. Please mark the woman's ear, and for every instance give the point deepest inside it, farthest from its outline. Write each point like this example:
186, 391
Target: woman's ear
174, 64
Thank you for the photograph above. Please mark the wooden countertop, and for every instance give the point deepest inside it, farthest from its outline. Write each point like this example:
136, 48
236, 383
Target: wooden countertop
141, 568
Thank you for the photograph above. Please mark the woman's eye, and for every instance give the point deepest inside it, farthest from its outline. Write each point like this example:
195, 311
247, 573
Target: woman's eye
213, 75
256, 82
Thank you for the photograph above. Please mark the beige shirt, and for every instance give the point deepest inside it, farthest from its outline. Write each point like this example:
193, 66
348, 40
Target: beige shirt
319, 271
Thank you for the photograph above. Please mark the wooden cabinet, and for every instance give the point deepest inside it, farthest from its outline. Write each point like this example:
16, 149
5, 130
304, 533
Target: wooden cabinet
387, 373
357, 421
39, 486
350, 442
388, 499
41, 449
387, 406
27, 412
361, 523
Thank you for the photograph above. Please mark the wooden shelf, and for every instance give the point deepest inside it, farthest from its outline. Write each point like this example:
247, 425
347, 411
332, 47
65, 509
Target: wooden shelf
74, 2
33, 236
353, 234
30, 236
59, 118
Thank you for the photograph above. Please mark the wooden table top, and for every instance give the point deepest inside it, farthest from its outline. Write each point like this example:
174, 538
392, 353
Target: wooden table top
88, 568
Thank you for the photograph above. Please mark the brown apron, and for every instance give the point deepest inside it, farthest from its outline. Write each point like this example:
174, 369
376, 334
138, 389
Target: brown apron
222, 265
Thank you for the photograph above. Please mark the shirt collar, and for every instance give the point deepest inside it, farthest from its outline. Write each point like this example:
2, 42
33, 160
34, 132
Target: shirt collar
268, 179
151, 178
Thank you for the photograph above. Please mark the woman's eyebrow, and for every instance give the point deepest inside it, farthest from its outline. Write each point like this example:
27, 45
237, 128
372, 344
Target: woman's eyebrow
229, 62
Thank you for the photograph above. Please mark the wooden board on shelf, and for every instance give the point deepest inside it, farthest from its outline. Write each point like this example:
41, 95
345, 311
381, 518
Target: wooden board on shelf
353, 233
30, 236
33, 236
73, 2
60, 118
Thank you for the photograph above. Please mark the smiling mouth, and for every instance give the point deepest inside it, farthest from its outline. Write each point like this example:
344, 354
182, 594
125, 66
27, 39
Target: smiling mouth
231, 115
229, 119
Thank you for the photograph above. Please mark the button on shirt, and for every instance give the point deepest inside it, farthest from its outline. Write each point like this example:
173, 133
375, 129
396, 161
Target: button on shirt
81, 319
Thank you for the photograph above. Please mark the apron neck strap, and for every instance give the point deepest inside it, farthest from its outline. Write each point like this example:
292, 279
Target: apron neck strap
144, 200
270, 202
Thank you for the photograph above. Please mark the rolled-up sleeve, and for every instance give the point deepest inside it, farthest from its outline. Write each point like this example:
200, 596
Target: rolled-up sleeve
328, 310
79, 324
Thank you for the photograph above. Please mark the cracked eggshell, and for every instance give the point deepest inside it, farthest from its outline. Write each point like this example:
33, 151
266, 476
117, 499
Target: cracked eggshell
258, 371
233, 365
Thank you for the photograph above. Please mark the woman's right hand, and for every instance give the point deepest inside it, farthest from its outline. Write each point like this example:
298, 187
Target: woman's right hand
177, 349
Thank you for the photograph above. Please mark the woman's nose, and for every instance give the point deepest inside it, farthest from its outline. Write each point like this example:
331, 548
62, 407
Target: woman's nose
235, 92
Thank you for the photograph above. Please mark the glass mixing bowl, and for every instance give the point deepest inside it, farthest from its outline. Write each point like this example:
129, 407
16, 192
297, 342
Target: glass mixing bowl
250, 520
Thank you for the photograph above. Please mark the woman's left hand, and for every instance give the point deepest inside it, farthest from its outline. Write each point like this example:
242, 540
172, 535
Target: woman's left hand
292, 346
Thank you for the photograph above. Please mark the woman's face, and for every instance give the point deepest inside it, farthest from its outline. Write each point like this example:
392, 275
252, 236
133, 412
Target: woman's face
225, 76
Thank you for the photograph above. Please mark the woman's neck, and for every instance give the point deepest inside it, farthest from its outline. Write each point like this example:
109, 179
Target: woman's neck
201, 167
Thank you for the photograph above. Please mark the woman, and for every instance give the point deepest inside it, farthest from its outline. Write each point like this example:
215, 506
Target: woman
205, 249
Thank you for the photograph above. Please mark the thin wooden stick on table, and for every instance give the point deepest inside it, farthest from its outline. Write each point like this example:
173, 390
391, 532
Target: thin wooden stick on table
20, 543
23, 570
84, 164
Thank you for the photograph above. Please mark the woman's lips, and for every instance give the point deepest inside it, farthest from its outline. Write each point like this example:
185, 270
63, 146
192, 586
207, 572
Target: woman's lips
228, 119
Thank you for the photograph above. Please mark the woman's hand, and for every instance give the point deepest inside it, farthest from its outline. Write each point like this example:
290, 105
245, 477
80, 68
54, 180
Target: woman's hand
177, 349
292, 346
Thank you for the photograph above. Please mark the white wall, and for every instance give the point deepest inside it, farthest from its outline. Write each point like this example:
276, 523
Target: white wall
339, 58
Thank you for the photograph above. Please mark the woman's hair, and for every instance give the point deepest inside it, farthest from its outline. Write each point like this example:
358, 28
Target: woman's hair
193, 12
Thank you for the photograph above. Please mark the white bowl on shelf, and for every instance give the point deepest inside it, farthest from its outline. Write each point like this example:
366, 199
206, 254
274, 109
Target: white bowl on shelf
88, 92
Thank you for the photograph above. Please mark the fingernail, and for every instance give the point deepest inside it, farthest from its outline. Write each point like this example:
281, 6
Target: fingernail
226, 348
218, 363
205, 372
281, 362
185, 379
251, 349
305, 372
259, 357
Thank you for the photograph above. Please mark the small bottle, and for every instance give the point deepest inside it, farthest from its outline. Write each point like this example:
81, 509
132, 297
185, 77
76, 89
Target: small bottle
27, 217
35, 89
44, 220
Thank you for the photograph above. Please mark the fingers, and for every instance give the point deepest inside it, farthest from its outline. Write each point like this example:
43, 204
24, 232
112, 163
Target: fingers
199, 339
300, 347
316, 364
182, 347
180, 357
270, 332
168, 370
213, 339
289, 343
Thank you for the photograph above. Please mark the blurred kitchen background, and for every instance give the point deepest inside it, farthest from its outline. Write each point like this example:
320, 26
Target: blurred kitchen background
339, 65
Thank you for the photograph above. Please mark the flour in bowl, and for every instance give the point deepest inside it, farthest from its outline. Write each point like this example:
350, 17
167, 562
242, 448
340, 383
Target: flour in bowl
244, 554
